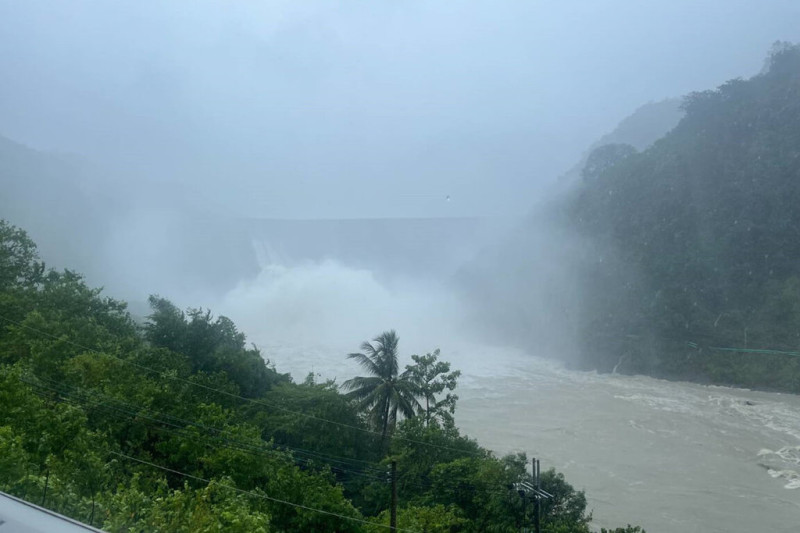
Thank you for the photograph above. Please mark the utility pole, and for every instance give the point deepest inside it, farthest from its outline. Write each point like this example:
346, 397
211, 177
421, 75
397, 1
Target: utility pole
536, 472
533, 491
393, 515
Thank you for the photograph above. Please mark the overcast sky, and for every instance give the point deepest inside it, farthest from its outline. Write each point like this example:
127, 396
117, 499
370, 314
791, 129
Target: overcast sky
381, 108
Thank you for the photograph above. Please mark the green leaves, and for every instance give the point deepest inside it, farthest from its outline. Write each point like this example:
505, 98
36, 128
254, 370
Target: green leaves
386, 392
433, 377
20, 266
211, 345
15, 462
213, 508
429, 519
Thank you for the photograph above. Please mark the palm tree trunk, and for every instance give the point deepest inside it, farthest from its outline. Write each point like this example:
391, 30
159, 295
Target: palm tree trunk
384, 444
427, 410
393, 418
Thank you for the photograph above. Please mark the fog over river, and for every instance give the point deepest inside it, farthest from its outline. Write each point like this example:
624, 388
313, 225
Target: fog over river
669, 456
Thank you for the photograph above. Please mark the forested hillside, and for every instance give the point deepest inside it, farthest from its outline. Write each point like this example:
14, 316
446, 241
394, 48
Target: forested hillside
640, 129
177, 425
697, 273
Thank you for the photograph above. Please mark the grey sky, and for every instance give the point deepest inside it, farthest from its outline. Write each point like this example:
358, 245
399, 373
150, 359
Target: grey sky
322, 109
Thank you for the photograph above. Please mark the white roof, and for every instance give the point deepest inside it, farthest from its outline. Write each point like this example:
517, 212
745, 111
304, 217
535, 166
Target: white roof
19, 516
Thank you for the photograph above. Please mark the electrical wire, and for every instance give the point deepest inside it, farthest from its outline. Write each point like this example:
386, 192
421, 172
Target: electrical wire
237, 396
377, 474
237, 444
255, 494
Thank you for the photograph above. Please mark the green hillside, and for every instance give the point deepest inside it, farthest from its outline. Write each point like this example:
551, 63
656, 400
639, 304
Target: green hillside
697, 266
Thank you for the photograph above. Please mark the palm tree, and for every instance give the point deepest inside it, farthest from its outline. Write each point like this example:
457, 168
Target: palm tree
385, 391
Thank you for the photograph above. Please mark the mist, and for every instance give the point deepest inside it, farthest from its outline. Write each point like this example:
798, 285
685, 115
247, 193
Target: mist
190, 131
184, 122
322, 172
324, 110
330, 307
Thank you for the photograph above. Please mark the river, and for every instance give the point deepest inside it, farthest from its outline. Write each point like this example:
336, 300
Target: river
669, 456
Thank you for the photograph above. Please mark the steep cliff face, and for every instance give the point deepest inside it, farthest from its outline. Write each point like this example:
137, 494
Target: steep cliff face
706, 229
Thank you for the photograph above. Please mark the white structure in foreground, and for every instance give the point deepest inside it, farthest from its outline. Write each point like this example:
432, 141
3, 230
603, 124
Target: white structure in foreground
19, 516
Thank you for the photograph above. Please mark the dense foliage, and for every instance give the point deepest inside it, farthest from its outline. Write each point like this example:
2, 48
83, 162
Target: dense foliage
178, 426
385, 391
694, 270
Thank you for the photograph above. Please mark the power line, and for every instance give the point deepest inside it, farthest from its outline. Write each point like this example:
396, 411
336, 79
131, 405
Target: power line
136, 411
267, 404
251, 493
244, 448
241, 445
236, 396
97, 403
378, 474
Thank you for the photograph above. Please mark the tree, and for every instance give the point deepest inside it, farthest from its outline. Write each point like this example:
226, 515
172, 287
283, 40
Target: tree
215, 507
482, 487
211, 344
605, 157
385, 391
427, 519
567, 504
433, 377
19, 260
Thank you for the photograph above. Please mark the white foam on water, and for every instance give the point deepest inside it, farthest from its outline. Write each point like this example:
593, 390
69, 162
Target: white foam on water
790, 475
330, 305
787, 456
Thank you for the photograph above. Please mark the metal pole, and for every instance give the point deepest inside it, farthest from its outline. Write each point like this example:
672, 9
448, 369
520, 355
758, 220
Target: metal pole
537, 468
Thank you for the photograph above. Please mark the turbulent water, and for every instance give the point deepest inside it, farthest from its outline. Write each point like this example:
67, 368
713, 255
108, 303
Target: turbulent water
672, 457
